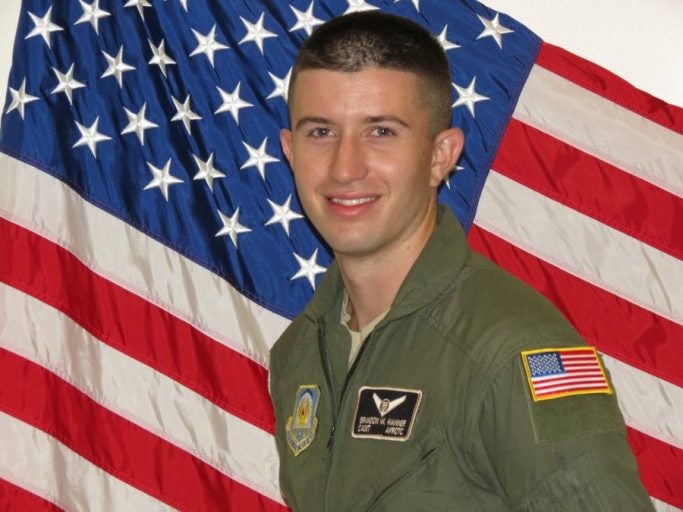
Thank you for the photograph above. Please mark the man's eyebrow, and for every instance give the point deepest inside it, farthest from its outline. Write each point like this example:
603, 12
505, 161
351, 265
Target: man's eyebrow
385, 119
313, 120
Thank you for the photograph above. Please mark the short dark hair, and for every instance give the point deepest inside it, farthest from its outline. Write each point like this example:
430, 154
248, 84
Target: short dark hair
354, 41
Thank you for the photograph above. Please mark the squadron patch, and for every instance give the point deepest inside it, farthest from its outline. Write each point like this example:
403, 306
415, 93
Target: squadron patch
301, 427
385, 413
558, 372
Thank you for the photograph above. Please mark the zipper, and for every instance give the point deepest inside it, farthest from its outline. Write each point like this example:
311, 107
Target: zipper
336, 404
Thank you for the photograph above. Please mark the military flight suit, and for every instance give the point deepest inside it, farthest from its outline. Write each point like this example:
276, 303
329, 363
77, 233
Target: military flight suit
436, 413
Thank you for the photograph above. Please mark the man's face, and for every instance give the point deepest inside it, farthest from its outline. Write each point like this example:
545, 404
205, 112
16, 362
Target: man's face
365, 162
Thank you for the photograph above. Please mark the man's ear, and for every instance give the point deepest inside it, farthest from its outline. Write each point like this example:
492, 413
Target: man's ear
445, 153
286, 142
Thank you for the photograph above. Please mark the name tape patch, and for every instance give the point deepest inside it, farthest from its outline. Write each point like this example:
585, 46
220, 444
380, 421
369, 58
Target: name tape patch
385, 413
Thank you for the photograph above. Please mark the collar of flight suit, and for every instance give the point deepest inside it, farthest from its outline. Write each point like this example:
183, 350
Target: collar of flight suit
436, 268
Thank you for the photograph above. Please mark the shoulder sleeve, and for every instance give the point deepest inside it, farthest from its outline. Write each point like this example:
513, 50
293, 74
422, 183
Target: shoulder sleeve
562, 454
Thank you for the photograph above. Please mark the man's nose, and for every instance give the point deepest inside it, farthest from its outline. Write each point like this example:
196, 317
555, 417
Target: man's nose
348, 164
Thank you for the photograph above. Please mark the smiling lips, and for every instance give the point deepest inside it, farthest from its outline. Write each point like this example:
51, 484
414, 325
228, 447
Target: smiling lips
355, 201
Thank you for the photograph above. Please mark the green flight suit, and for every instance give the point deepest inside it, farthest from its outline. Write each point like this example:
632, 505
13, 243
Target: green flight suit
444, 366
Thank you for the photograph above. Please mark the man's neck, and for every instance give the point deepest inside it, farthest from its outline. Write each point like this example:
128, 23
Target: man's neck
372, 283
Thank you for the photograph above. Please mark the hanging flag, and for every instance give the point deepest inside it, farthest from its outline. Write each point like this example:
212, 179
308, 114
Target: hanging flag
152, 246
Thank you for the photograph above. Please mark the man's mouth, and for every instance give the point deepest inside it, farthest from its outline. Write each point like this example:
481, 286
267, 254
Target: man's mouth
352, 201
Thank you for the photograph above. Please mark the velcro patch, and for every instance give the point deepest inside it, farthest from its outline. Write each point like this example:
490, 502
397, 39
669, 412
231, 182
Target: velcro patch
558, 372
385, 413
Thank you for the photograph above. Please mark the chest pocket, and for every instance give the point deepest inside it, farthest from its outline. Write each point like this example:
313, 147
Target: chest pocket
389, 469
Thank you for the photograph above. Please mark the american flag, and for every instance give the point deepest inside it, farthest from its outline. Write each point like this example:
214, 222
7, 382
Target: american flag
563, 372
152, 247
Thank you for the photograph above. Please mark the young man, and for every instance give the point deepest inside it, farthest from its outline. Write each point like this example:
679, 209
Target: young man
403, 385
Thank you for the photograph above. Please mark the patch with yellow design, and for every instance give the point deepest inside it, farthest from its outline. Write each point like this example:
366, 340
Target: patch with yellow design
303, 424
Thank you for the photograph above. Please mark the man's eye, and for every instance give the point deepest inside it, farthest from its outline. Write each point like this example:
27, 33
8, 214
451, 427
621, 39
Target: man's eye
382, 131
319, 132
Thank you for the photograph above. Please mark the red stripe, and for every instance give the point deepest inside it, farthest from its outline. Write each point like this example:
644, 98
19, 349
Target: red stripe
19, 499
588, 185
660, 467
134, 326
608, 85
571, 386
123, 449
569, 381
613, 325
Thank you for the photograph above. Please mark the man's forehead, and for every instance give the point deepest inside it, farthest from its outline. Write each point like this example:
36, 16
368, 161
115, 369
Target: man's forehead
387, 85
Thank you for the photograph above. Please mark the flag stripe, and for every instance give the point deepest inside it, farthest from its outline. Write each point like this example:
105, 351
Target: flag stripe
661, 506
46, 467
600, 128
660, 466
149, 334
128, 257
548, 380
613, 325
582, 246
138, 393
13, 497
649, 404
588, 185
123, 449
590, 76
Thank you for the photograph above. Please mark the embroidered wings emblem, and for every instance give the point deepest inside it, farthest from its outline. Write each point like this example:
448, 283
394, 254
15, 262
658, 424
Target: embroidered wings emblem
385, 406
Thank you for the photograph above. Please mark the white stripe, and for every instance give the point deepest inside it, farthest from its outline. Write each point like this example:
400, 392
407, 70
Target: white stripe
603, 129
52, 340
660, 506
126, 256
564, 376
649, 404
37, 462
582, 246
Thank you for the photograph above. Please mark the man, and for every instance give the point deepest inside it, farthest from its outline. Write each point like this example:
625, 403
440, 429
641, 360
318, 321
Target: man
410, 382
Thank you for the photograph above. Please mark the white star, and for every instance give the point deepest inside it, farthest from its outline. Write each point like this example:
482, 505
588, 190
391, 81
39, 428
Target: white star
161, 178
43, 26
283, 214
207, 44
116, 66
258, 158
140, 4
468, 96
445, 43
90, 136
19, 99
256, 32
231, 226
185, 113
358, 6
281, 85
416, 3
138, 124
308, 268
207, 171
305, 20
493, 28
92, 14
160, 58
183, 3
447, 181
67, 83
232, 102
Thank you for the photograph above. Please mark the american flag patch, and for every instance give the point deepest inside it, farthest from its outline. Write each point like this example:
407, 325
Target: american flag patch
557, 372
